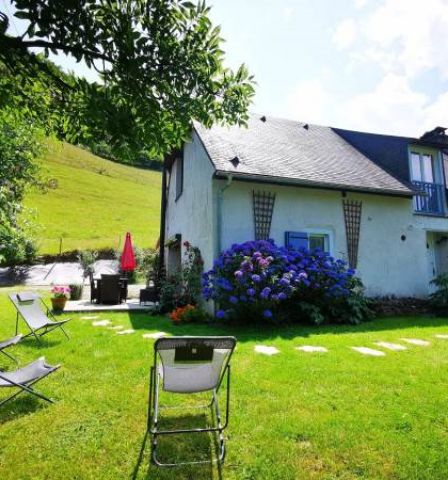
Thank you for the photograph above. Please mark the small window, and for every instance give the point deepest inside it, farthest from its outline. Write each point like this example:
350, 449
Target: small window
179, 176
320, 241
308, 240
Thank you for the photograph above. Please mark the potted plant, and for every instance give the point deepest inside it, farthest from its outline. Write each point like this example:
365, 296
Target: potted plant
59, 298
76, 291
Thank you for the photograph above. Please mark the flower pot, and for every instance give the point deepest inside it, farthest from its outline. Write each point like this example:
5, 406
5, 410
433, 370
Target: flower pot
58, 304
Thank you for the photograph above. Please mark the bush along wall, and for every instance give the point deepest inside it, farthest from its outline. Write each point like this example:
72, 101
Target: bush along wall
259, 281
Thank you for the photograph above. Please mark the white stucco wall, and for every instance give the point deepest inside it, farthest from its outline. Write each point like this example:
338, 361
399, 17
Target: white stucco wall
386, 264
192, 215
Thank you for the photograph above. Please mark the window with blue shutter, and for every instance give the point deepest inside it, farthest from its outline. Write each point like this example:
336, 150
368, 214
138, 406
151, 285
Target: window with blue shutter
296, 240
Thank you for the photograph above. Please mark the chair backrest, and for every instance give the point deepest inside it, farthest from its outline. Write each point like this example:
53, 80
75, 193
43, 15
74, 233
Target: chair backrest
193, 364
30, 307
110, 288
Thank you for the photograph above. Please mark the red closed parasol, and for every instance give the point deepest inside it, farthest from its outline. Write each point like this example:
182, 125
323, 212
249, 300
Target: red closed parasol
127, 257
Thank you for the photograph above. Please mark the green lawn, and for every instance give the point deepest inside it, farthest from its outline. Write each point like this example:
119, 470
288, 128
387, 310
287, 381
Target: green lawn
95, 202
294, 415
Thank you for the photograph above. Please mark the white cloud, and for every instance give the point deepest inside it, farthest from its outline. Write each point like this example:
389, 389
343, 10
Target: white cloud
407, 36
288, 12
308, 102
360, 3
345, 33
391, 107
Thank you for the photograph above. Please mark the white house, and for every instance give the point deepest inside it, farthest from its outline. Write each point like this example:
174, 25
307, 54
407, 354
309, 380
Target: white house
378, 201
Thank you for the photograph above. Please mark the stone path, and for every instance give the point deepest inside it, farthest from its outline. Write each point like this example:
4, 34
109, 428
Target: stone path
416, 341
125, 332
442, 336
391, 346
265, 350
369, 351
311, 349
155, 336
101, 323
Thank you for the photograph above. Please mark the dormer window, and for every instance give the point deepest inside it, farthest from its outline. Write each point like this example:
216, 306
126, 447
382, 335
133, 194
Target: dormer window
422, 167
427, 177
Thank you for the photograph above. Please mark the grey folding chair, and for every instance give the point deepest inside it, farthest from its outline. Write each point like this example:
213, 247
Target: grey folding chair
9, 343
190, 365
36, 315
24, 378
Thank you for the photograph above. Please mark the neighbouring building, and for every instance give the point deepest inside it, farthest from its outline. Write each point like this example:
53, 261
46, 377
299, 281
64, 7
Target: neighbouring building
378, 201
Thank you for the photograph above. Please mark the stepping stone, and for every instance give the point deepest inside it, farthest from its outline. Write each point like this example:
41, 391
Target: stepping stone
416, 341
90, 317
391, 346
310, 349
154, 335
369, 351
125, 332
118, 327
265, 350
442, 336
101, 323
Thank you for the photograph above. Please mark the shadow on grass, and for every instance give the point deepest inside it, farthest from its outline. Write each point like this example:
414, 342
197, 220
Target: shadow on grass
175, 448
249, 333
19, 407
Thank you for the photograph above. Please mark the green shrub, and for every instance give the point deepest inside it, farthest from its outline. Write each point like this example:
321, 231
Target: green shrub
439, 299
76, 291
87, 259
184, 287
15, 247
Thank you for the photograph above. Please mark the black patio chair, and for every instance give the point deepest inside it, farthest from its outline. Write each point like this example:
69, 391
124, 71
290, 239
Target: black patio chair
94, 289
190, 365
110, 289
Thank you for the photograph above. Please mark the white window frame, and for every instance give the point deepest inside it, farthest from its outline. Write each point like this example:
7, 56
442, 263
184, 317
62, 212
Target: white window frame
327, 233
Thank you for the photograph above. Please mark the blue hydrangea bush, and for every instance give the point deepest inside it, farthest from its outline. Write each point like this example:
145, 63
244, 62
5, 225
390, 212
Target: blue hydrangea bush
259, 280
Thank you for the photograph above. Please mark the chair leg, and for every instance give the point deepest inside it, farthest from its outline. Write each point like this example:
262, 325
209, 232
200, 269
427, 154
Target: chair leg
10, 356
28, 389
65, 333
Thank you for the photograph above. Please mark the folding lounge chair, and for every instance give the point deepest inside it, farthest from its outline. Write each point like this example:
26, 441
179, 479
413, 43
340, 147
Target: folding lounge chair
24, 378
30, 307
9, 343
190, 365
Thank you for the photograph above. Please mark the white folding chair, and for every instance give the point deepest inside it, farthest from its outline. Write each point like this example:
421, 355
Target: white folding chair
190, 365
35, 314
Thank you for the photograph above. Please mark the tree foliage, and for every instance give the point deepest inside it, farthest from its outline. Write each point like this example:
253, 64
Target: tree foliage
160, 66
19, 147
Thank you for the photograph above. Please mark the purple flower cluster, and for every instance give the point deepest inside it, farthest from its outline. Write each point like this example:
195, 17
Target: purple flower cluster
261, 275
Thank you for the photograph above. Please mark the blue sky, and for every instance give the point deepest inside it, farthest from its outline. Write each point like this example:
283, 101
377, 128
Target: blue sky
374, 65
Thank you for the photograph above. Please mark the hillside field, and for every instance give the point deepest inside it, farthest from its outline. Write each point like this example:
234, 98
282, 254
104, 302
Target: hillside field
93, 202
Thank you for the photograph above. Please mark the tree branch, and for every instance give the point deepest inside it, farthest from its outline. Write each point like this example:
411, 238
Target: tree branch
19, 43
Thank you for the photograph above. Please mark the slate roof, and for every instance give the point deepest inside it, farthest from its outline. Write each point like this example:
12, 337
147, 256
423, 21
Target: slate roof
387, 151
286, 151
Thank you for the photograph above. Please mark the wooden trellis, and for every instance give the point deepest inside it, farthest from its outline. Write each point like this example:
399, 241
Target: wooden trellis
352, 217
263, 205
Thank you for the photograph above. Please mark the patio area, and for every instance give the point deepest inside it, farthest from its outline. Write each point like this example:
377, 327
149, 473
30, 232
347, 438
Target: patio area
84, 305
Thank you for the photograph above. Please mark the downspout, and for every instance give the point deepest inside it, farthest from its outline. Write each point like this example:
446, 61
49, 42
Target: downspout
162, 219
219, 212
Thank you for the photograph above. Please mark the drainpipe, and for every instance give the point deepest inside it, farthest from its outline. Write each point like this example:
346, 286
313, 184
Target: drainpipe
219, 213
162, 218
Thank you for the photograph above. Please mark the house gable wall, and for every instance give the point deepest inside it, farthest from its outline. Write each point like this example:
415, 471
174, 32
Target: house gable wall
192, 214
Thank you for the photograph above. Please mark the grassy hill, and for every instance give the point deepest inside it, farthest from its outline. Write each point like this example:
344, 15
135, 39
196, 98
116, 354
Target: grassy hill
94, 202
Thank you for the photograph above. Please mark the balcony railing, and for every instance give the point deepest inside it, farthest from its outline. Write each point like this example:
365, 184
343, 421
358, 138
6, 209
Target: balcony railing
432, 198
